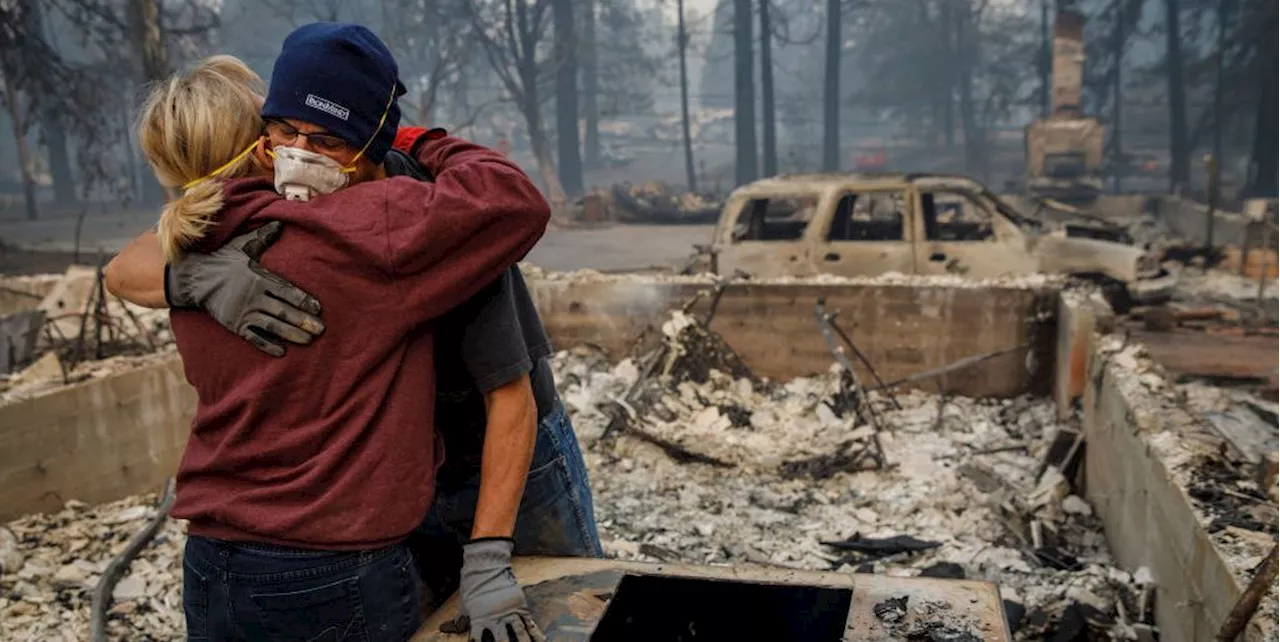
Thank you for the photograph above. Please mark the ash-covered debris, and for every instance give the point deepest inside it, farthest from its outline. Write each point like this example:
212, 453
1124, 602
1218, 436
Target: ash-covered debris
1021, 281
693, 352
929, 620
73, 332
787, 493
50, 563
652, 202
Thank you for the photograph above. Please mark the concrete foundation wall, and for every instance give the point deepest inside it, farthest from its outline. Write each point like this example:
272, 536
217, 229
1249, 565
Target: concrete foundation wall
903, 329
1080, 316
1148, 517
96, 441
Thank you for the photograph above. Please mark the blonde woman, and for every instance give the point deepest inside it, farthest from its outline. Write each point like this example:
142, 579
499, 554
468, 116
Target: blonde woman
303, 474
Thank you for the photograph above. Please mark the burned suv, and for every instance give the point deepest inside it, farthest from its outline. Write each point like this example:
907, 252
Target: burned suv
869, 224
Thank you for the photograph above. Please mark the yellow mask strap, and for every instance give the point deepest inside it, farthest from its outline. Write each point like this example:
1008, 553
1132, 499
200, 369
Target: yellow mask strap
381, 121
229, 164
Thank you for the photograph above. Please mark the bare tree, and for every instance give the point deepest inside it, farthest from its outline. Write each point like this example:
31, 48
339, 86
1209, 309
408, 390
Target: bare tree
38, 80
435, 47
682, 44
744, 113
1179, 152
17, 116
511, 33
591, 84
566, 79
767, 107
831, 90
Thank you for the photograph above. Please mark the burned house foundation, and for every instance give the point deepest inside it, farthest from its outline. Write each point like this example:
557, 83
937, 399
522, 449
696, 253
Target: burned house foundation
938, 458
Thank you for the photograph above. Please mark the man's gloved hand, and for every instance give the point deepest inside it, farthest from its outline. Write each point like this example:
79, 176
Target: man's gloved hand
243, 296
491, 597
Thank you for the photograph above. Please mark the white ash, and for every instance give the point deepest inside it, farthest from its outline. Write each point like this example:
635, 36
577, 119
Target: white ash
1021, 281
651, 508
1194, 283
59, 559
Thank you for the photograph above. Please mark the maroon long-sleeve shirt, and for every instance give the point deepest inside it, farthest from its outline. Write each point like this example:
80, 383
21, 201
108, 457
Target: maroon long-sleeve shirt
332, 446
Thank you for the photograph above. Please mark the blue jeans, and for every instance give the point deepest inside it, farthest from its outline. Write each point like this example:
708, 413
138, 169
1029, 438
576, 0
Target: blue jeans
237, 591
556, 514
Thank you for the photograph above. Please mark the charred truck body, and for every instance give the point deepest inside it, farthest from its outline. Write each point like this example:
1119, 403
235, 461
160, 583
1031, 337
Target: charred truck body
1064, 151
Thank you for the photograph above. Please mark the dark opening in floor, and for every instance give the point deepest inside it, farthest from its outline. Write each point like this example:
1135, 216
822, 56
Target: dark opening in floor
660, 609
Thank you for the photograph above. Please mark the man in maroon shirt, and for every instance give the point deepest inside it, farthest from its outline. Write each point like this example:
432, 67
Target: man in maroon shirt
296, 539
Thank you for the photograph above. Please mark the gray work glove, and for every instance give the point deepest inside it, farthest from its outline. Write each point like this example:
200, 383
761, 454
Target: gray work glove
243, 296
490, 596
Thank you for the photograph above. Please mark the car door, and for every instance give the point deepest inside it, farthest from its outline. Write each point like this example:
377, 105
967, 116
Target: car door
764, 235
961, 234
864, 233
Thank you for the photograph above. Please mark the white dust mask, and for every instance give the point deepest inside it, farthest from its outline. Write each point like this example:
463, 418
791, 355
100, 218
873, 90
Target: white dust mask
301, 174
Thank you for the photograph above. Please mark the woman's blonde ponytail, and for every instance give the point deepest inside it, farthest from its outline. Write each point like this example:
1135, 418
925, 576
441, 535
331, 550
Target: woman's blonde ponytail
183, 221
193, 130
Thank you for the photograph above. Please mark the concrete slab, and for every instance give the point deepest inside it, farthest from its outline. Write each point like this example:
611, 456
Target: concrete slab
569, 596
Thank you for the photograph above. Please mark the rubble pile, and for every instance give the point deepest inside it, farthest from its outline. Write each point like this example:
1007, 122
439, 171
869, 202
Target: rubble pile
49, 565
652, 202
1219, 285
73, 332
961, 497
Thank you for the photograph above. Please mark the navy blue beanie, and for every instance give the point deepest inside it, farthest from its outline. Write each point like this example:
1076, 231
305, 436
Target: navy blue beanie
340, 77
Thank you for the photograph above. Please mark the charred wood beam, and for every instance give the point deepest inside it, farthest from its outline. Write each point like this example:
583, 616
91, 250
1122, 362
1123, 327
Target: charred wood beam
958, 364
1248, 602
863, 405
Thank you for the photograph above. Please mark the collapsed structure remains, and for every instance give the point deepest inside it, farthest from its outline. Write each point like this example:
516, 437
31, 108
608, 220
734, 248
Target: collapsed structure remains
949, 456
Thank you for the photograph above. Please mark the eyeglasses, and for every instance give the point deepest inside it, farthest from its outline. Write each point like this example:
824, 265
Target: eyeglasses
284, 133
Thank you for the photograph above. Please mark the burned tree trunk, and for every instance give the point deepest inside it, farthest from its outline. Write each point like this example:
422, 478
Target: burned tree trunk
144, 17
14, 100
1179, 155
1045, 64
590, 85
55, 140
769, 129
683, 45
947, 40
744, 113
831, 91
1218, 62
53, 129
567, 98
541, 146
974, 137
1117, 110
1263, 165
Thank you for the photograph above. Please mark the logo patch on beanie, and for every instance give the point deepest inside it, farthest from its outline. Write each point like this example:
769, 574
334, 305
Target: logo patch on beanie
328, 106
